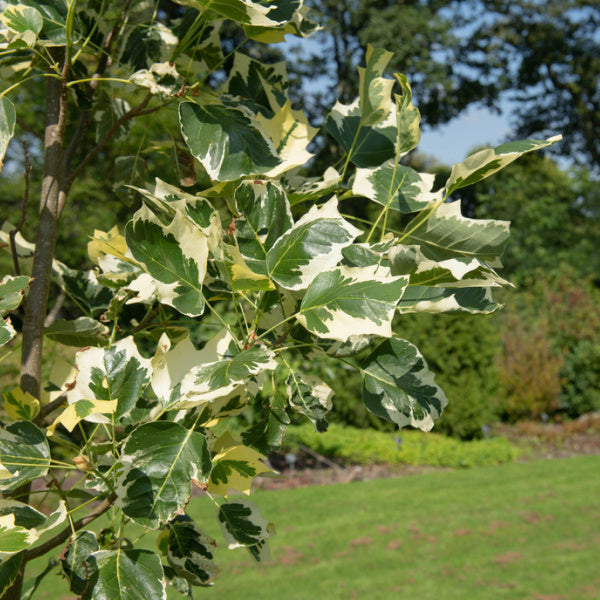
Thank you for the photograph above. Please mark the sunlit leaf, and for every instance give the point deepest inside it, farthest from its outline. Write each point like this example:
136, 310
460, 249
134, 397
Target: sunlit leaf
439, 299
8, 118
484, 163
374, 90
125, 575
351, 301
20, 405
313, 245
408, 118
159, 461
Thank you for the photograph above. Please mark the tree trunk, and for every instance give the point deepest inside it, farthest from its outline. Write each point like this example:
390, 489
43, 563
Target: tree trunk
51, 199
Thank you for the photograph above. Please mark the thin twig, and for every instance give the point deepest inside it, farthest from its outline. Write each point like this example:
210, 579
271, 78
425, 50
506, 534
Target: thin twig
25, 127
48, 409
13, 234
66, 533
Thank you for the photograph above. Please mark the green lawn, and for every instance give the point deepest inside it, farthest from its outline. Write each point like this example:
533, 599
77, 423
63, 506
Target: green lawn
513, 531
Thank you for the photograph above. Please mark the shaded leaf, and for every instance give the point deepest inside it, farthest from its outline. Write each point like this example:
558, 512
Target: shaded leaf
266, 435
190, 551
310, 397
24, 452
74, 560
243, 525
399, 387
8, 118
80, 332
9, 570
440, 299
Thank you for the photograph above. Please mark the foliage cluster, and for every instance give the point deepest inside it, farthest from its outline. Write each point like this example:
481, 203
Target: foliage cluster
368, 446
551, 358
202, 307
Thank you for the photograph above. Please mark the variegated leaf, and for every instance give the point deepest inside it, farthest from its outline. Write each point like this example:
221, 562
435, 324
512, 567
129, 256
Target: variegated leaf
117, 374
95, 411
265, 85
74, 560
398, 386
235, 270
190, 551
312, 246
24, 452
447, 234
174, 255
125, 575
484, 163
462, 271
310, 397
234, 467
8, 119
244, 526
159, 461
289, 132
23, 23
439, 299
312, 189
266, 216
9, 571
20, 405
218, 379
349, 301
162, 79
22, 525
298, 25
11, 292
367, 146
396, 187
172, 362
408, 118
374, 90
227, 140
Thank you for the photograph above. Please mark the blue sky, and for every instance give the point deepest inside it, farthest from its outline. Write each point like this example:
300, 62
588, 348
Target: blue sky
452, 142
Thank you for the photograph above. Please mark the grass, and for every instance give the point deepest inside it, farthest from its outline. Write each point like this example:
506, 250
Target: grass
515, 531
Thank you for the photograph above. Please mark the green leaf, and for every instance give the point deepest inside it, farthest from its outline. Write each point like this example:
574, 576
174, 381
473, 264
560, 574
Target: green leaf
9, 570
159, 460
20, 405
80, 332
312, 189
484, 163
266, 435
174, 256
349, 301
367, 146
266, 216
310, 397
398, 386
74, 561
396, 187
125, 575
190, 551
374, 90
162, 79
243, 525
408, 118
118, 373
226, 140
439, 299
11, 291
314, 244
24, 453
447, 234
297, 25
218, 379
8, 118
54, 15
